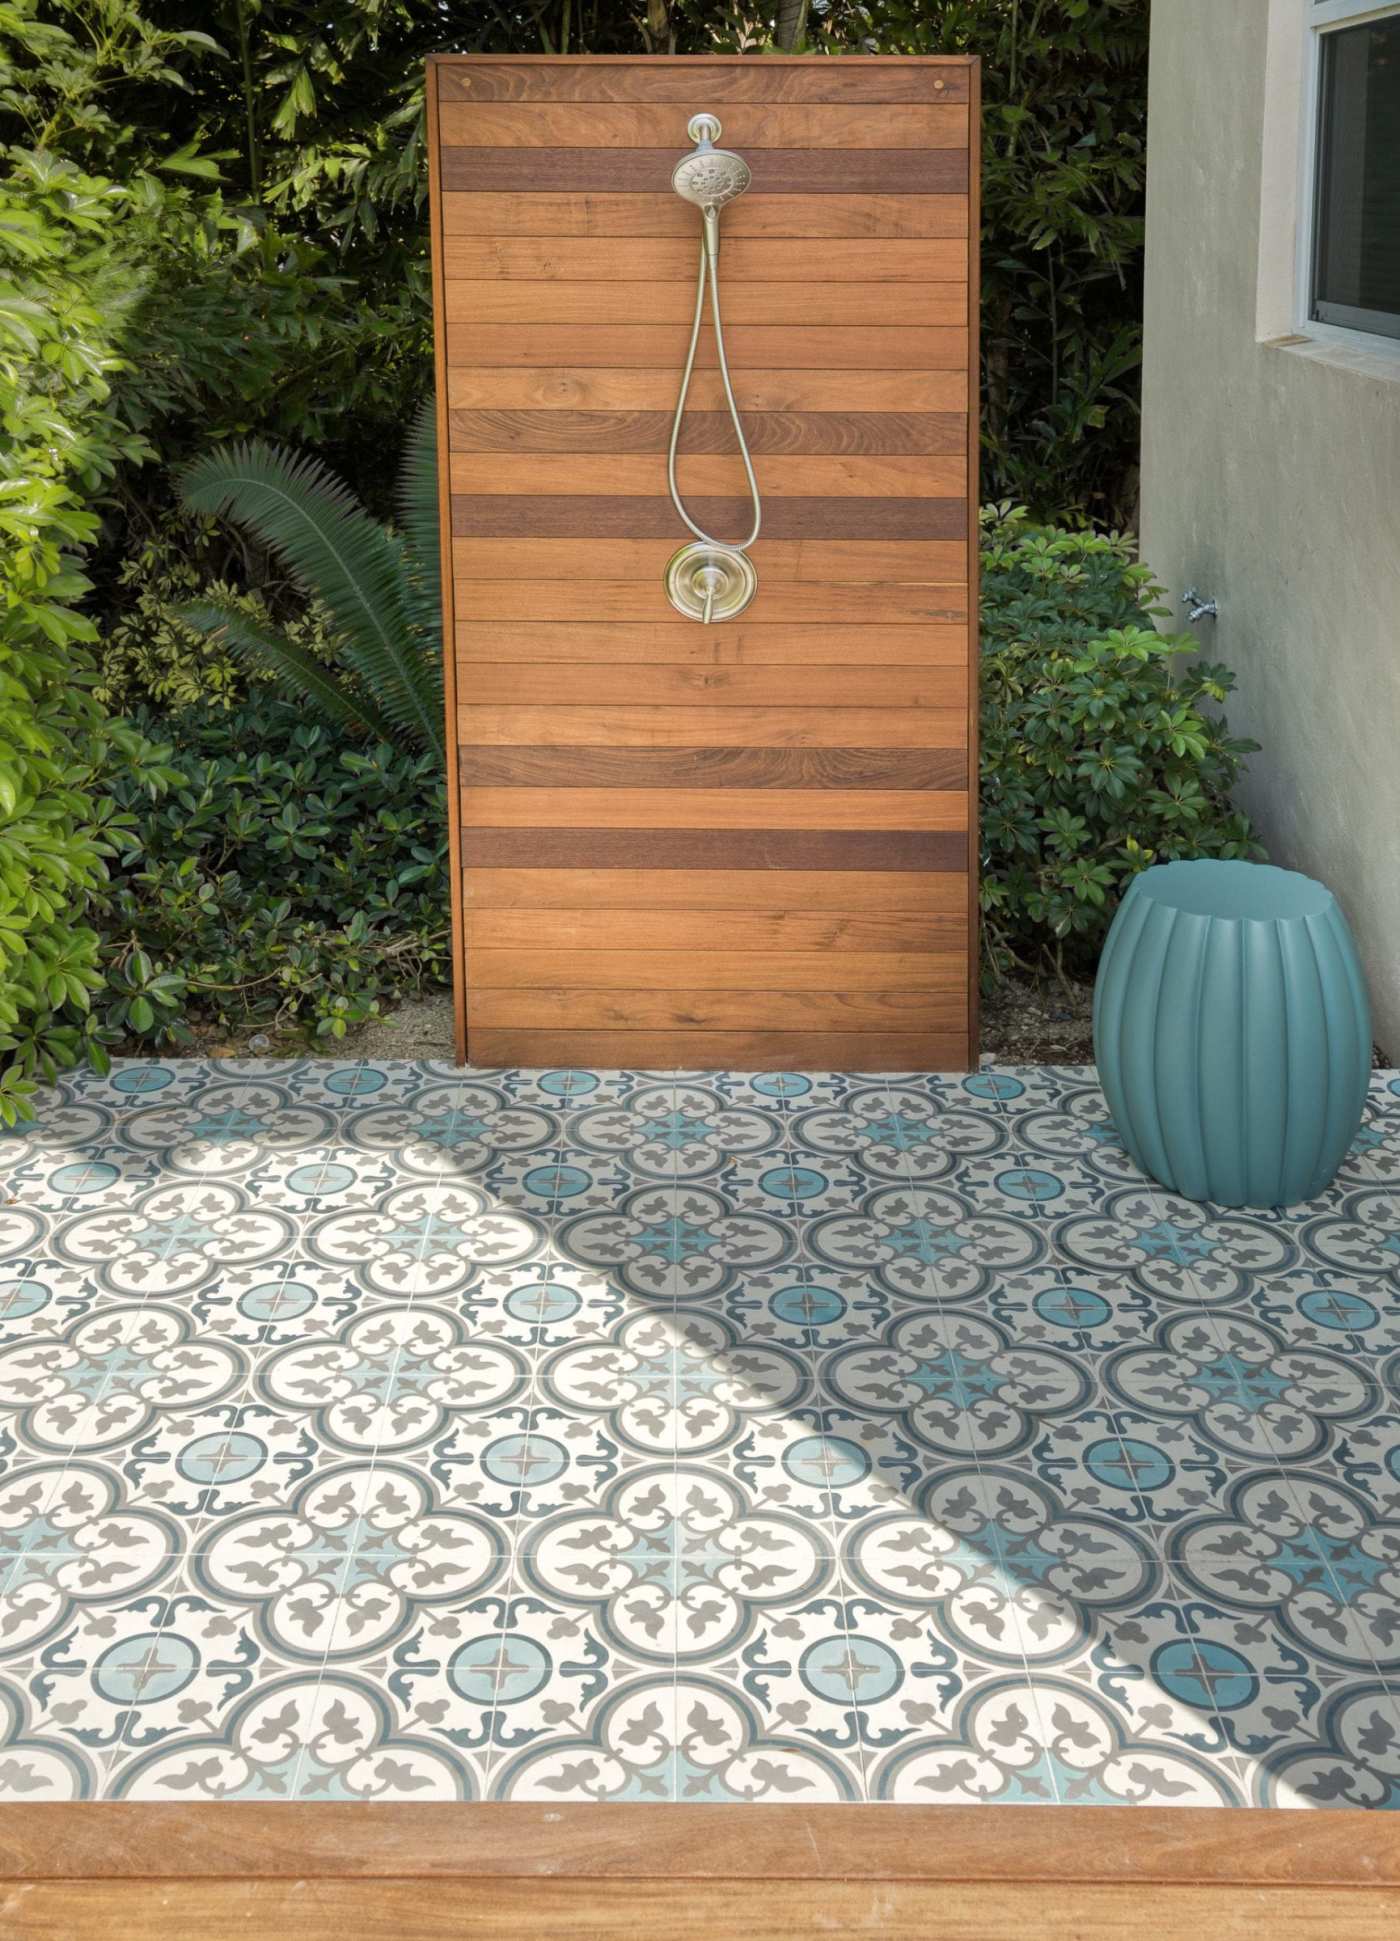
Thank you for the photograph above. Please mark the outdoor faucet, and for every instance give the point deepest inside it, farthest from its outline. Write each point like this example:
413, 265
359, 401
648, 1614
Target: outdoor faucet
1200, 609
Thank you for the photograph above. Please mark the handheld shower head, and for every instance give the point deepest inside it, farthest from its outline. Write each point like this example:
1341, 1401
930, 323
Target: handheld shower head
709, 176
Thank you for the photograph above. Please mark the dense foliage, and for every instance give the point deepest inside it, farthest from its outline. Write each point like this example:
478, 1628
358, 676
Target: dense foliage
309, 113
63, 301
211, 232
1101, 751
294, 877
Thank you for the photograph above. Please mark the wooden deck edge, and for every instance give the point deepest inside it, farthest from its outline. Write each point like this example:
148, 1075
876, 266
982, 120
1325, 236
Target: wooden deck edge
1174, 1846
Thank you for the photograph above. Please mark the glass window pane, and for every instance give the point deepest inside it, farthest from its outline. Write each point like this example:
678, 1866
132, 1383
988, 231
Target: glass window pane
1357, 270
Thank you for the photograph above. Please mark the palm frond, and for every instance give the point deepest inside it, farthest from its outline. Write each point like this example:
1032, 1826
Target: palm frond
420, 518
296, 670
301, 511
417, 494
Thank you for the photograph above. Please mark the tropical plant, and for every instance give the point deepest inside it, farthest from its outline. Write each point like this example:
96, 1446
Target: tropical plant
379, 588
1101, 747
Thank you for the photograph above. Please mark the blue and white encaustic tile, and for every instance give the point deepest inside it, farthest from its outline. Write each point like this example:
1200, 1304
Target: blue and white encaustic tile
390, 1432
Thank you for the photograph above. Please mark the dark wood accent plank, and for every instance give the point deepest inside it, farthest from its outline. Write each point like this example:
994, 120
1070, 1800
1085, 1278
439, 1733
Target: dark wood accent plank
658, 212
881, 850
776, 171
717, 768
815, 127
847, 81
838, 433
523, 515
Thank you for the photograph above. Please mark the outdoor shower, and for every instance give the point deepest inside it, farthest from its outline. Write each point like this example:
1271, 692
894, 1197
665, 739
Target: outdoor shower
678, 844
710, 579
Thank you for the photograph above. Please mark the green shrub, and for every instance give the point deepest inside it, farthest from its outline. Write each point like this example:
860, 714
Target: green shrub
63, 303
1100, 749
149, 657
295, 877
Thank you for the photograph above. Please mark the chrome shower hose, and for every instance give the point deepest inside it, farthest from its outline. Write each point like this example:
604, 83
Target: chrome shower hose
709, 267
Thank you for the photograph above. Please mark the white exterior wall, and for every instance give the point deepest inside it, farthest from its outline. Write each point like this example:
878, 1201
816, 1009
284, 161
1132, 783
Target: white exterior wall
1271, 474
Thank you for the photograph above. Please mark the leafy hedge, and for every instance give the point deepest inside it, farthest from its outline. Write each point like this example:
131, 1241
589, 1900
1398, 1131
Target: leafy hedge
1101, 748
292, 877
63, 301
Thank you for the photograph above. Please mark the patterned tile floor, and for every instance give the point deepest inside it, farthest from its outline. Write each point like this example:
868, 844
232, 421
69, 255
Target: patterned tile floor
384, 1431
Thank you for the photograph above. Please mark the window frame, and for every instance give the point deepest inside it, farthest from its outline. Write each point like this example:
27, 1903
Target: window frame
1321, 18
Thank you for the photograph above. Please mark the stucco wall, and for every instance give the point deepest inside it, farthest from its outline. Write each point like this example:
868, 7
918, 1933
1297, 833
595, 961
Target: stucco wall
1271, 480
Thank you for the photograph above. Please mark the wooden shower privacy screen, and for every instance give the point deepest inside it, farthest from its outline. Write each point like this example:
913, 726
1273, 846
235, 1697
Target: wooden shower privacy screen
748, 844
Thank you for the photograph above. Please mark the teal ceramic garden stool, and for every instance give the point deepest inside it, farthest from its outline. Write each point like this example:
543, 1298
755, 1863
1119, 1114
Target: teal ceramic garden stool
1232, 1031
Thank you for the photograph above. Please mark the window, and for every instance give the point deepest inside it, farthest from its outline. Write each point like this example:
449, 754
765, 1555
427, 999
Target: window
1353, 267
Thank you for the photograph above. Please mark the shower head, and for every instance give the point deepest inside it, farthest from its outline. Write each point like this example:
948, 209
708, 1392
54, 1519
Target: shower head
709, 176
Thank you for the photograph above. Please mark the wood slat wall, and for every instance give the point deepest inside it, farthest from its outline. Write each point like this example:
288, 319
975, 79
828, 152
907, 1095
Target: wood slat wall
750, 844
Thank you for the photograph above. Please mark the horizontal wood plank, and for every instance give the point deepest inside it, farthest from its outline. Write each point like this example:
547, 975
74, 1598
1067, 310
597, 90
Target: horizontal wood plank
574, 1842
647, 809
659, 212
716, 970
762, 927
749, 127
777, 602
864, 433
594, 684
739, 643
647, 79
818, 769
629, 260
900, 475
776, 171
925, 892
677, 727
733, 1051
888, 851
867, 305
578, 537
829, 347
545, 1905
574, 388
759, 1009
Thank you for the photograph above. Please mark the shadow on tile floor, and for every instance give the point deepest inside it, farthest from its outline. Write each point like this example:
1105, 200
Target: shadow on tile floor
387, 1431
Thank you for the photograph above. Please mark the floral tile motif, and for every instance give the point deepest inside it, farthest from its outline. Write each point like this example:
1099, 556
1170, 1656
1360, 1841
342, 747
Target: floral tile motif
398, 1432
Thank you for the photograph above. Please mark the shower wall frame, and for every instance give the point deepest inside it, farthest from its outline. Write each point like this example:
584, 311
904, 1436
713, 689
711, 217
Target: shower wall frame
752, 845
